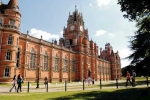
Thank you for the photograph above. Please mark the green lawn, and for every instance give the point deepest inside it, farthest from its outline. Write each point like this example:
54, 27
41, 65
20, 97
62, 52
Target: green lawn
111, 94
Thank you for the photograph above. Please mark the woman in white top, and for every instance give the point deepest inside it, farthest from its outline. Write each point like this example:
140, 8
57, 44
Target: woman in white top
14, 82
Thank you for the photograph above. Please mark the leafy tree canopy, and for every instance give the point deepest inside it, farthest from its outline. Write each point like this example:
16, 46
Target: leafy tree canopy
135, 9
140, 44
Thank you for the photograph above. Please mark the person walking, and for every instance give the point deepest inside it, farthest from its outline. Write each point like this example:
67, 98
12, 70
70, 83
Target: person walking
14, 82
128, 79
93, 80
89, 79
19, 82
133, 78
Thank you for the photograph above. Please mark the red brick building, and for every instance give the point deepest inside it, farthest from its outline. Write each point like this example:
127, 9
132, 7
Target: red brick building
73, 58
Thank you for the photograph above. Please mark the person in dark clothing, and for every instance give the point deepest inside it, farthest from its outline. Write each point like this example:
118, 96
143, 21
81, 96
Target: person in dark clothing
133, 77
128, 78
14, 83
93, 81
19, 82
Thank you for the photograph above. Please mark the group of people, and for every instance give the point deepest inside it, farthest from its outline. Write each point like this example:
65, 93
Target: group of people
15, 81
133, 83
89, 80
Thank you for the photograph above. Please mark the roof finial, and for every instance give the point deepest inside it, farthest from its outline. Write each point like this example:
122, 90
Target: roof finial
75, 7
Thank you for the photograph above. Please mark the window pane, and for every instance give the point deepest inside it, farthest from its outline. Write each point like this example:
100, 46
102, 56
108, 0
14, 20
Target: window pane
12, 22
10, 40
8, 55
7, 72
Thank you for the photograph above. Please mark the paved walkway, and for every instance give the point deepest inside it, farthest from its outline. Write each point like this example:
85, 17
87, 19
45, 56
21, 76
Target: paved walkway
70, 87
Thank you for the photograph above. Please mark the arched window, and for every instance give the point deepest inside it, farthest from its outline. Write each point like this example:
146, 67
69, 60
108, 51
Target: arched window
10, 40
32, 59
45, 61
56, 63
65, 64
73, 66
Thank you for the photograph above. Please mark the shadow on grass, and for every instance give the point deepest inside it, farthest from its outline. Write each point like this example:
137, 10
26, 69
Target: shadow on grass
123, 94
124, 83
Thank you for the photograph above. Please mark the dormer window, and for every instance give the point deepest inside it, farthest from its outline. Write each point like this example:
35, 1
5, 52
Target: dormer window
12, 22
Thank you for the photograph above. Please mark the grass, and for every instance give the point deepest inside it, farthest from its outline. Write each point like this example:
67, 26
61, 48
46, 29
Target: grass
93, 94
111, 94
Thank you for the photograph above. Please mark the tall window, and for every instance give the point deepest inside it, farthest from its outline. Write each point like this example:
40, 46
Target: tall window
46, 61
8, 55
32, 59
65, 64
73, 66
56, 63
17, 41
99, 69
7, 72
10, 40
1, 21
12, 22
17, 57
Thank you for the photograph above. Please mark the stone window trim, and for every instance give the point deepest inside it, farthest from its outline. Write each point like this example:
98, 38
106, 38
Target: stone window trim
32, 64
6, 72
45, 61
1, 21
65, 69
73, 66
10, 40
8, 55
12, 22
56, 68
18, 54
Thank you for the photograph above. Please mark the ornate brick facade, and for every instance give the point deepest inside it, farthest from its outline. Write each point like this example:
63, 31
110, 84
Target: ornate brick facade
74, 58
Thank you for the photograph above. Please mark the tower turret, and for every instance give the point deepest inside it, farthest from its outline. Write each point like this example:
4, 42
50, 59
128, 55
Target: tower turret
10, 16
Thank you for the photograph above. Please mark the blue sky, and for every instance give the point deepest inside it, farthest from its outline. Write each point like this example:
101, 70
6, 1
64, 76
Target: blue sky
103, 19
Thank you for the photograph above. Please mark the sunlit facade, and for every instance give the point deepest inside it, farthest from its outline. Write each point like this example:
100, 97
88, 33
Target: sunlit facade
72, 58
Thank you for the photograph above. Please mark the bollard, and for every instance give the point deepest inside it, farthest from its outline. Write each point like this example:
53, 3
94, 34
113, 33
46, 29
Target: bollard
117, 83
65, 85
83, 84
28, 86
100, 84
147, 80
47, 86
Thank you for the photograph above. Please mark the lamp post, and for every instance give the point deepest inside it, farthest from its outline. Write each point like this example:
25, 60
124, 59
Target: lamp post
37, 86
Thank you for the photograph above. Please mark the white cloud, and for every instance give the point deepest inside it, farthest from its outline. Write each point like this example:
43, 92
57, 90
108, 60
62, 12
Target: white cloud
105, 2
123, 54
91, 5
100, 32
61, 34
110, 34
45, 35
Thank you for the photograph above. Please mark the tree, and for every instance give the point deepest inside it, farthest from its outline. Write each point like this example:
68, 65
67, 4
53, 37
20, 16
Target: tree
135, 9
140, 44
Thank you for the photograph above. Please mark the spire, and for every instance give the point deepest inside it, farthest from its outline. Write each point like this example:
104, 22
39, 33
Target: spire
75, 14
12, 4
